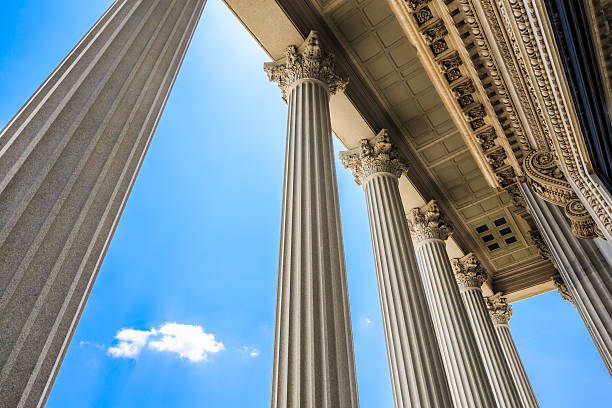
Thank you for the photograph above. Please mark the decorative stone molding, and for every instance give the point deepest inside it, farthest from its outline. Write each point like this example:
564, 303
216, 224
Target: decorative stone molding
468, 272
548, 181
308, 61
583, 225
524, 37
517, 198
562, 289
427, 222
491, 73
539, 242
375, 156
499, 309
431, 29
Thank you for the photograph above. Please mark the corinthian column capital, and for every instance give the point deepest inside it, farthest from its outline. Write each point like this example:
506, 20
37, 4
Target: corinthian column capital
427, 222
307, 61
562, 289
469, 272
499, 309
373, 156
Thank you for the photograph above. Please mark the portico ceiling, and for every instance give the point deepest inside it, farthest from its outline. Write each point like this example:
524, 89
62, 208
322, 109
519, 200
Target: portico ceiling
390, 88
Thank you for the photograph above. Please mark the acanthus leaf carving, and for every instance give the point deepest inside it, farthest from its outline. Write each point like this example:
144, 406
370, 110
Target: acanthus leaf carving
371, 157
308, 61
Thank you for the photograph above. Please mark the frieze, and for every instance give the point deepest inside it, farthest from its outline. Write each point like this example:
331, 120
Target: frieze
532, 47
441, 43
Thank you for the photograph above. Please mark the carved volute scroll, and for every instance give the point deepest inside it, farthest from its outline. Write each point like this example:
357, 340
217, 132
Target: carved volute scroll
549, 182
428, 222
499, 309
373, 156
308, 61
468, 272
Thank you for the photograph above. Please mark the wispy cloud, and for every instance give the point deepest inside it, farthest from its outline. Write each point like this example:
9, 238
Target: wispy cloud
187, 340
130, 343
252, 352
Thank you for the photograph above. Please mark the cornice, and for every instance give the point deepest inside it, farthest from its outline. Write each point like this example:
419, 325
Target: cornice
485, 55
431, 29
528, 29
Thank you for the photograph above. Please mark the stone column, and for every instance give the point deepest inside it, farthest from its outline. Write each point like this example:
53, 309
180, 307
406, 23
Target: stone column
465, 370
470, 276
584, 266
500, 312
415, 364
313, 348
68, 160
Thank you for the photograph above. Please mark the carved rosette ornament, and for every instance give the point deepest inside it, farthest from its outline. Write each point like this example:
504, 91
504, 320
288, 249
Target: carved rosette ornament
499, 309
468, 272
308, 61
373, 156
549, 182
562, 289
427, 222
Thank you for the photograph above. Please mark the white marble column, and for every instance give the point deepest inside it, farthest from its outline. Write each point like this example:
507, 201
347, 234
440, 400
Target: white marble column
501, 312
470, 277
313, 348
465, 370
584, 266
415, 363
68, 160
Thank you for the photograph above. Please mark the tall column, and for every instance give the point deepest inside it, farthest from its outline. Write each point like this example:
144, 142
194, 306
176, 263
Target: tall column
415, 364
465, 370
68, 160
470, 276
501, 312
313, 347
584, 266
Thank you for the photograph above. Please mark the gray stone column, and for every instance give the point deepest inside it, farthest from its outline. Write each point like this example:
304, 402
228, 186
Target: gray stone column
470, 277
465, 370
313, 348
415, 363
500, 312
68, 160
584, 266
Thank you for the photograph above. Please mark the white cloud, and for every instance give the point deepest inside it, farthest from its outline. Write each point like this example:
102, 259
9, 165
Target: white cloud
130, 343
254, 353
367, 320
188, 341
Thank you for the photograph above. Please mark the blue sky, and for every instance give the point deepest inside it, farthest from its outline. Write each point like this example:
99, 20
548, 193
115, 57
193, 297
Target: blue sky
195, 254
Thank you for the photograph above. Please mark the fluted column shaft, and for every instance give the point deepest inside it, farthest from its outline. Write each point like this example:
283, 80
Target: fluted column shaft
464, 367
516, 366
68, 160
415, 363
584, 266
470, 276
313, 349
500, 312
